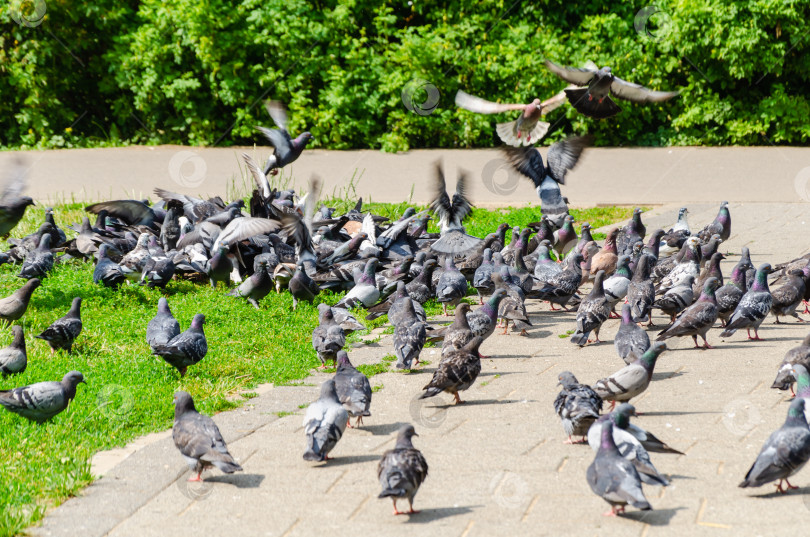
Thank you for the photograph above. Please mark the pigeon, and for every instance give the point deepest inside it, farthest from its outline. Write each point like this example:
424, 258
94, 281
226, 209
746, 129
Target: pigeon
631, 233
324, 423
457, 371
709, 249
632, 379
353, 389
560, 288
565, 238
593, 311
343, 318
302, 287
728, 296
157, 272
789, 295
163, 327
482, 277
617, 285
483, 320
12, 205
512, 307
218, 267
459, 333
14, 306
527, 129
697, 319
452, 286
62, 332
409, 337
754, 306
797, 355
785, 452
257, 286
396, 305
650, 442
641, 292
131, 212
577, 405
631, 341
286, 149
132, 262
328, 337
594, 101
711, 271
41, 401
107, 272
562, 156
720, 226
402, 470
677, 298
454, 239
365, 292
39, 262
13, 359
614, 478
628, 445
606, 259
186, 348
198, 439
802, 377
688, 265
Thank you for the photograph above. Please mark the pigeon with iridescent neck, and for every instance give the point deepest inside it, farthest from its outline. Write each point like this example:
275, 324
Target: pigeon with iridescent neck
593, 311
631, 341
631, 233
632, 380
788, 296
641, 292
482, 321
709, 249
482, 280
797, 355
565, 238
676, 299
257, 286
712, 270
607, 258
63, 332
728, 296
720, 226
560, 288
365, 292
562, 156
754, 306
459, 333
697, 319
527, 129
617, 285
545, 268
802, 376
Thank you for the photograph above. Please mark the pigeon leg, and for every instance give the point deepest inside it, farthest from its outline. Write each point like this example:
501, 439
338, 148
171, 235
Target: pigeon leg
694, 338
612, 405
614, 511
614, 315
253, 301
571, 441
806, 307
505, 326
552, 306
349, 423
706, 343
411, 511
359, 421
444, 308
779, 487
396, 511
197, 478
777, 320
458, 399
799, 319
789, 486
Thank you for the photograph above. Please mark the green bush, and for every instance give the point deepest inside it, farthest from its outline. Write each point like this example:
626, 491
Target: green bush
197, 71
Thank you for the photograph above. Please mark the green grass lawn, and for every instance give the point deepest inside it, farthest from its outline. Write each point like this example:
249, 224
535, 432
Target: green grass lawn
129, 391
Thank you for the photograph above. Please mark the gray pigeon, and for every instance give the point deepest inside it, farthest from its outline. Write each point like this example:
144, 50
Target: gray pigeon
12, 205
631, 380
409, 336
697, 319
107, 272
641, 292
560, 288
452, 285
677, 298
365, 292
328, 337
199, 440
621, 419
346, 320
15, 305
457, 371
324, 423
257, 286
353, 389
577, 405
785, 452
482, 321
594, 100
41, 401
286, 149
754, 306
13, 359
163, 327
302, 287
39, 262
631, 341
614, 478
157, 272
796, 355
451, 214
459, 333
729, 296
617, 285
398, 305
593, 311
402, 470
185, 349
63, 331
788, 296
482, 277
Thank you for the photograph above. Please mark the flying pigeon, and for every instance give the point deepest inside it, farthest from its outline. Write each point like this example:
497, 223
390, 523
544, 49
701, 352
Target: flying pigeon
614, 478
454, 239
594, 101
286, 149
631, 341
632, 380
754, 306
12, 205
577, 405
185, 349
13, 359
163, 327
328, 337
526, 129
41, 401
457, 371
199, 440
785, 452
324, 423
402, 470
63, 331
697, 319
353, 389
562, 156
15, 305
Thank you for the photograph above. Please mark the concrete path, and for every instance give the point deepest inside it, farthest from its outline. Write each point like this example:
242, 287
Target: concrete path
629, 176
497, 464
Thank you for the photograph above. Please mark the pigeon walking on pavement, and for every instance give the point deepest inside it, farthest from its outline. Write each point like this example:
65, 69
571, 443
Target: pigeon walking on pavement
328, 337
324, 423
577, 405
697, 319
402, 470
409, 337
353, 389
632, 380
593, 311
631, 341
456, 372
754, 306
797, 355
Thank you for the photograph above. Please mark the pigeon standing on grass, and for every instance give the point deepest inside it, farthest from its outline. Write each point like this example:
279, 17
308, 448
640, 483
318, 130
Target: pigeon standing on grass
324, 423
62, 332
328, 337
41, 401
353, 389
163, 327
39, 262
785, 452
199, 440
402, 470
107, 272
257, 286
13, 359
185, 349
14, 306
577, 405
754, 306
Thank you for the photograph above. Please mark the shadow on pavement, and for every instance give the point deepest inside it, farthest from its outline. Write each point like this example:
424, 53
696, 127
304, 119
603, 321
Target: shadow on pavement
429, 515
